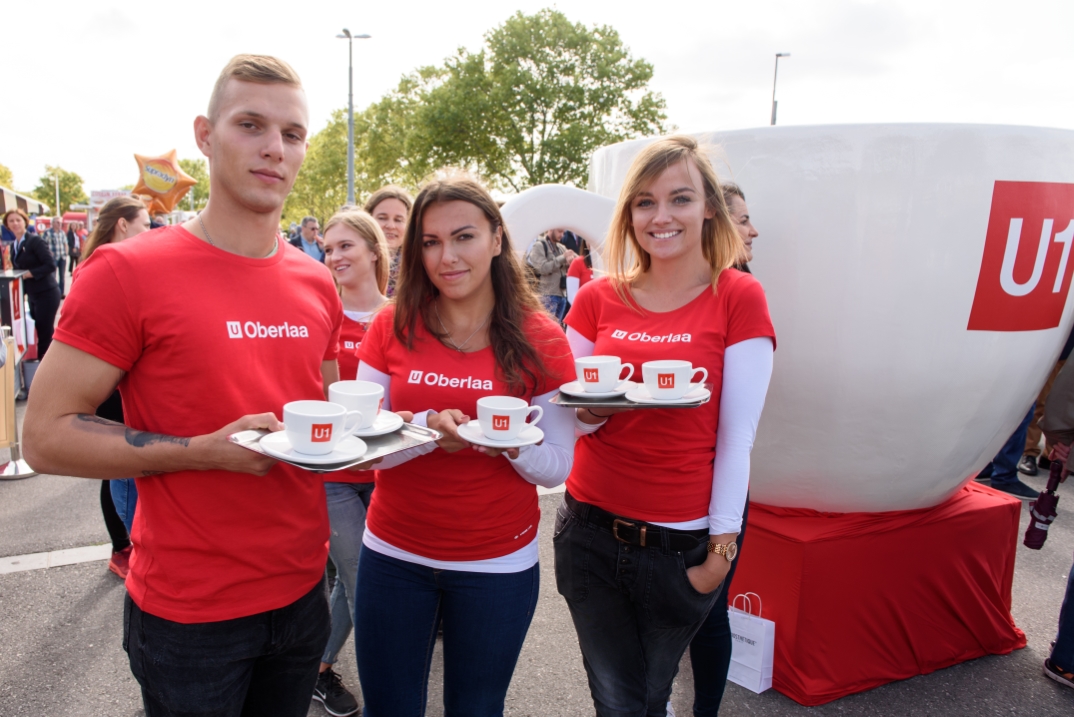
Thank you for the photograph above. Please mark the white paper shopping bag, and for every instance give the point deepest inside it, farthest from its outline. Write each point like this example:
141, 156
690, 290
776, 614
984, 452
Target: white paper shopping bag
753, 642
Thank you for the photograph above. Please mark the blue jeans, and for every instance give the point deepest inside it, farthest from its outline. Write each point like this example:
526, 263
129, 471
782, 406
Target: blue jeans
556, 305
125, 498
710, 650
1004, 467
347, 504
634, 609
1063, 653
398, 609
263, 664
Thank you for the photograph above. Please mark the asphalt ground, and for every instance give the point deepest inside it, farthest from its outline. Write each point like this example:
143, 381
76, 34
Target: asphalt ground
60, 631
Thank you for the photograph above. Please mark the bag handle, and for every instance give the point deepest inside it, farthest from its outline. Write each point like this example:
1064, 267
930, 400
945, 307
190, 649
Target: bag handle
747, 603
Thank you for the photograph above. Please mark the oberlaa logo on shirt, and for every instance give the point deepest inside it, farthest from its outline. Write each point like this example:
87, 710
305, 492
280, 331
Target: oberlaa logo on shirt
656, 339
257, 330
438, 379
350, 345
1026, 268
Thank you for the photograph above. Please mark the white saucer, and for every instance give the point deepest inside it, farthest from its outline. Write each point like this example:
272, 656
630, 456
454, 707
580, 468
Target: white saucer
385, 422
277, 446
696, 394
575, 388
472, 433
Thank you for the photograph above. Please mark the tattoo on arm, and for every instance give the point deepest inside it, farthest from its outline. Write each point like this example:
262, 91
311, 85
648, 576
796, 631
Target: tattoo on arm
138, 439
152, 473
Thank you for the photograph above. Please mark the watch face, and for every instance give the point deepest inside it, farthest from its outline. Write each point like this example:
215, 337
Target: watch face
732, 551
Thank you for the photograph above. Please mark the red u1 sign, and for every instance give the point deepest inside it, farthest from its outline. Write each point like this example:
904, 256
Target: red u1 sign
1026, 267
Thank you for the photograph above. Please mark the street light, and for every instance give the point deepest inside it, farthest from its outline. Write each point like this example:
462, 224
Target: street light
350, 109
774, 76
56, 181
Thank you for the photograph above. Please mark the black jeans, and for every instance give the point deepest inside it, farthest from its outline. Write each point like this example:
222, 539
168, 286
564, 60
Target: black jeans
634, 609
61, 272
710, 650
43, 308
264, 664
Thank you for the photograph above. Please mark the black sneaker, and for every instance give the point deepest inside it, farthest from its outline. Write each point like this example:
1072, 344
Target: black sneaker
1018, 489
331, 693
1061, 676
1028, 465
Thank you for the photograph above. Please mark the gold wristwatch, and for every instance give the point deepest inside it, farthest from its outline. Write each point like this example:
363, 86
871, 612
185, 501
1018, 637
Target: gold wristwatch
729, 551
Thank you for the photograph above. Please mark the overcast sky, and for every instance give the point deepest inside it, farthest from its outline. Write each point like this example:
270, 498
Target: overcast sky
91, 83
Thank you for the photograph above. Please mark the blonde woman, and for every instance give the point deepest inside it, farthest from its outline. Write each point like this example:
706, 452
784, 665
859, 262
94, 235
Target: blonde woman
390, 207
357, 255
646, 532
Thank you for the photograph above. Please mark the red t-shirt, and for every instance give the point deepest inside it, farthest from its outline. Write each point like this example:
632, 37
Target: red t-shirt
580, 271
462, 505
206, 337
652, 464
350, 338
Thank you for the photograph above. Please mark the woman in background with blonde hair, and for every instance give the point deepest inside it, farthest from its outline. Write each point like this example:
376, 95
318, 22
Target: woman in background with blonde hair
645, 534
390, 207
357, 255
120, 218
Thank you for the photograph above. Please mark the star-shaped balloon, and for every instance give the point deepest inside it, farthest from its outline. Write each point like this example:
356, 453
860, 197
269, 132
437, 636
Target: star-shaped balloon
161, 179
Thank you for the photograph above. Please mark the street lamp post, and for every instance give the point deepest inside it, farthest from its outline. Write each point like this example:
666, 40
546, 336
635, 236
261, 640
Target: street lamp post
56, 182
350, 109
774, 76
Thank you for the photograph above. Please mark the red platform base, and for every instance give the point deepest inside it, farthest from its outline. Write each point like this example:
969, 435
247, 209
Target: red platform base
863, 599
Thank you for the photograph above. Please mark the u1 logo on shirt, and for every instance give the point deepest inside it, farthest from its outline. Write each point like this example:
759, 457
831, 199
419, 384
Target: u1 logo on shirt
234, 330
321, 433
665, 380
1026, 267
501, 423
590, 374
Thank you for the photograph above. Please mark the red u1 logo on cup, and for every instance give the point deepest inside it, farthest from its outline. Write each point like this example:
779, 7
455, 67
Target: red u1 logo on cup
1026, 267
665, 380
590, 374
321, 433
501, 423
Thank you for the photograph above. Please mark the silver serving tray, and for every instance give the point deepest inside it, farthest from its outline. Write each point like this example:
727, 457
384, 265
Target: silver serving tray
567, 401
409, 436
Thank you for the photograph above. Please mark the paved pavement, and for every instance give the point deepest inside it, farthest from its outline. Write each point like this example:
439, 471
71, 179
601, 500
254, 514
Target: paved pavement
60, 633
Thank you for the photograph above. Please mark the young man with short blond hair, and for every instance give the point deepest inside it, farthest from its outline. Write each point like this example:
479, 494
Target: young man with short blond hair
226, 611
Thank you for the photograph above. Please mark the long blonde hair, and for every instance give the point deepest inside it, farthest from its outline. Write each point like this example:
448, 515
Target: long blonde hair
720, 243
368, 229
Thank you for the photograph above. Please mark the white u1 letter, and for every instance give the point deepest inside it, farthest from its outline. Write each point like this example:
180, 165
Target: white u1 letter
1006, 272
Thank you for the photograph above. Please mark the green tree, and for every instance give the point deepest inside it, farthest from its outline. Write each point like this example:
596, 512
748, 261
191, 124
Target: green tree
199, 170
534, 104
71, 191
6, 178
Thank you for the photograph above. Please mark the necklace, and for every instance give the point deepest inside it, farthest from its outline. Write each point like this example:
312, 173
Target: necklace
275, 244
451, 341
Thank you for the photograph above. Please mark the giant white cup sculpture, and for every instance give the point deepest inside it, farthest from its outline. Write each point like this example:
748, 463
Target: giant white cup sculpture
918, 278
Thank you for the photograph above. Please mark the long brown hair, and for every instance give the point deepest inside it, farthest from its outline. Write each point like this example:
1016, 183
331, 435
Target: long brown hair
105, 229
720, 243
368, 229
517, 360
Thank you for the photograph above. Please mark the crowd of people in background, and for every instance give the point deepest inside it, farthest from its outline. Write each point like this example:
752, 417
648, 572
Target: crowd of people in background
227, 609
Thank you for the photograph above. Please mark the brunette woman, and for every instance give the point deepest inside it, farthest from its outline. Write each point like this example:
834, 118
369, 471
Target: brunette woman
390, 206
30, 253
452, 532
646, 532
357, 255
120, 218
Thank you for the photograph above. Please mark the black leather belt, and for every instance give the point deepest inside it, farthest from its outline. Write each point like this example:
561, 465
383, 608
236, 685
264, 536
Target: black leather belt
636, 532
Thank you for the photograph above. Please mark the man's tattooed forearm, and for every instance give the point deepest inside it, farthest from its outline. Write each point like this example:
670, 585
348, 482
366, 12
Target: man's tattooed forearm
88, 418
141, 439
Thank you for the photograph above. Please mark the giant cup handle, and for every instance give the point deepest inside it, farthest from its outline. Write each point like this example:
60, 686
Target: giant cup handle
540, 414
704, 375
630, 372
350, 431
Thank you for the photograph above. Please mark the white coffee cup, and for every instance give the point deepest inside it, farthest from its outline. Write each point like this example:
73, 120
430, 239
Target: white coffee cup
502, 418
315, 427
600, 374
670, 380
364, 396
